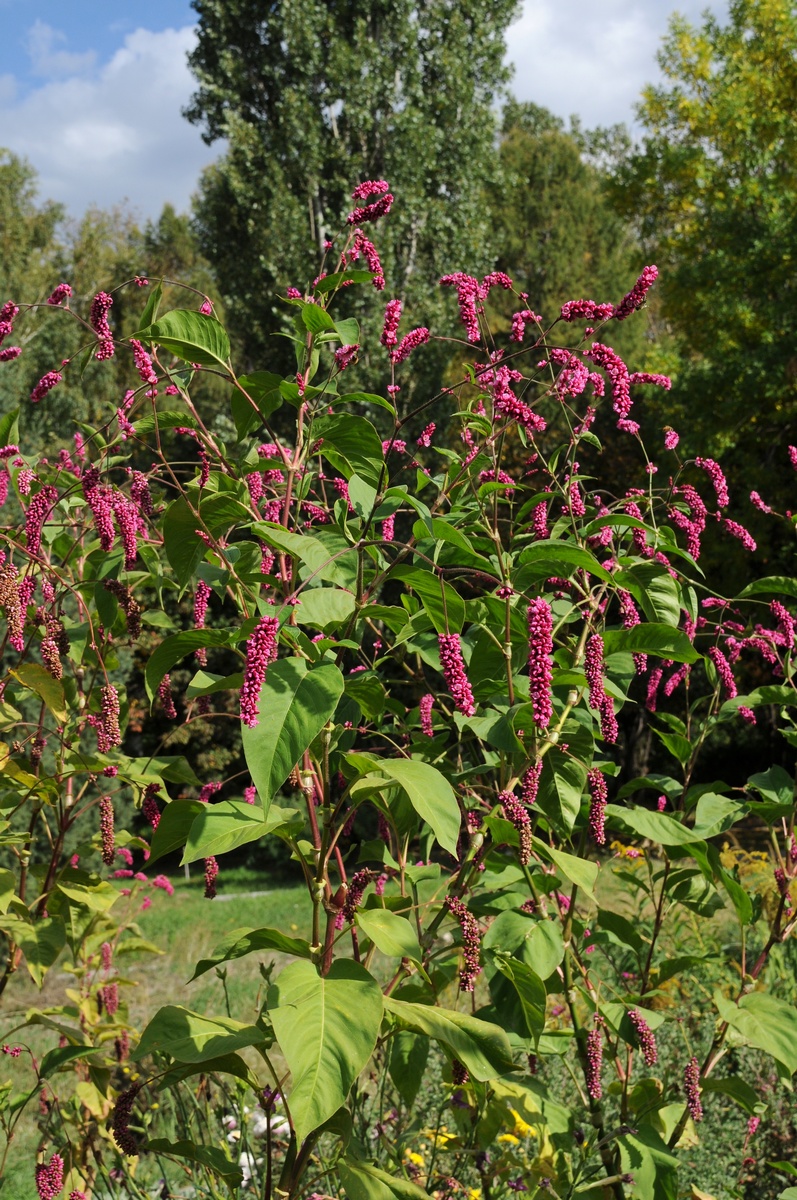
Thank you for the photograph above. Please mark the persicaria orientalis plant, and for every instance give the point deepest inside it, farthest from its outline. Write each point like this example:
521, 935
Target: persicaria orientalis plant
441, 642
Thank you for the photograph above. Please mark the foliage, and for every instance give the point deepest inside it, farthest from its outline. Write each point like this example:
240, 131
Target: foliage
712, 190
308, 95
430, 657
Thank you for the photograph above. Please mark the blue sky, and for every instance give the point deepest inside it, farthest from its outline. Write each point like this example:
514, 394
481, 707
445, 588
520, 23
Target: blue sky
92, 93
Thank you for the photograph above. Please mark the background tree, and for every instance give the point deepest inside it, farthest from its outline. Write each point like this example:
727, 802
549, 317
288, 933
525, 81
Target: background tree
314, 96
712, 188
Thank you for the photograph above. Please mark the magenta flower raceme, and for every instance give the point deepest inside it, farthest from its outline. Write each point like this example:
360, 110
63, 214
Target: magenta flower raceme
50, 1178
515, 812
9, 353
143, 363
149, 805
425, 706
45, 385
594, 1061
38, 511
126, 515
106, 830
615, 368
671, 439
586, 310
370, 187
519, 322
785, 621
692, 1089
634, 299
662, 381
631, 617
346, 355
166, 698
369, 251
98, 319
201, 597
454, 673
597, 808
593, 669
647, 1041
109, 996
540, 622
416, 337
425, 438
715, 474
250, 794
738, 531
260, 651
468, 298
539, 520
211, 874
371, 212
389, 528
654, 679
355, 891
531, 782
106, 954
389, 336
120, 1122
758, 503
471, 943
106, 724
61, 293
724, 671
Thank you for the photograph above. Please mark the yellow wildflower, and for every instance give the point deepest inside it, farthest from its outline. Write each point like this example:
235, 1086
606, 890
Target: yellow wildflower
509, 1138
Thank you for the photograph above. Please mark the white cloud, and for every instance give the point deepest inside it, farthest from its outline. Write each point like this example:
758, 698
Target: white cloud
592, 59
115, 134
50, 62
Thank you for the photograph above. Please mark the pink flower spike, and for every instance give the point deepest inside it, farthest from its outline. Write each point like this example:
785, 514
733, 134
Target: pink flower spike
540, 624
454, 673
260, 651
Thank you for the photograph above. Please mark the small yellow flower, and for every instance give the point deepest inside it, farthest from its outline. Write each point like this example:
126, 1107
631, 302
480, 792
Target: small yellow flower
474, 1194
416, 1159
509, 1138
522, 1128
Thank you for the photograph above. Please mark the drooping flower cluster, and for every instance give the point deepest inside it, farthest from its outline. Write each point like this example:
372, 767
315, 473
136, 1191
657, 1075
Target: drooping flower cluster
389, 336
59, 294
38, 511
120, 1122
454, 673
375, 210
106, 724
45, 385
692, 1089
106, 830
662, 381
715, 474
201, 598
359, 882
211, 874
586, 310
615, 368
594, 1061
468, 299
471, 943
143, 363
519, 322
724, 671
597, 808
149, 805
425, 706
647, 1040
531, 782
261, 650
50, 1178
363, 245
540, 623
634, 299
166, 698
517, 815
415, 337
98, 319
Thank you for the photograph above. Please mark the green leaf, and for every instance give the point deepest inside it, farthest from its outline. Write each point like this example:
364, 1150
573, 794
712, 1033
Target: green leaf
189, 1037
430, 794
225, 826
562, 784
738, 1090
205, 683
774, 784
654, 1167
191, 336
545, 559
659, 827
352, 445
655, 589
483, 1048
530, 990
295, 705
764, 1022
770, 585
307, 549
263, 387
325, 608
363, 1181
59, 1056
327, 1029
359, 399
164, 420
248, 941
184, 548
409, 1054
330, 282
580, 871
39, 680
8, 886
207, 1156
98, 896
431, 589
660, 640
174, 826
173, 648
390, 933
150, 312
9, 428
40, 943
315, 318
